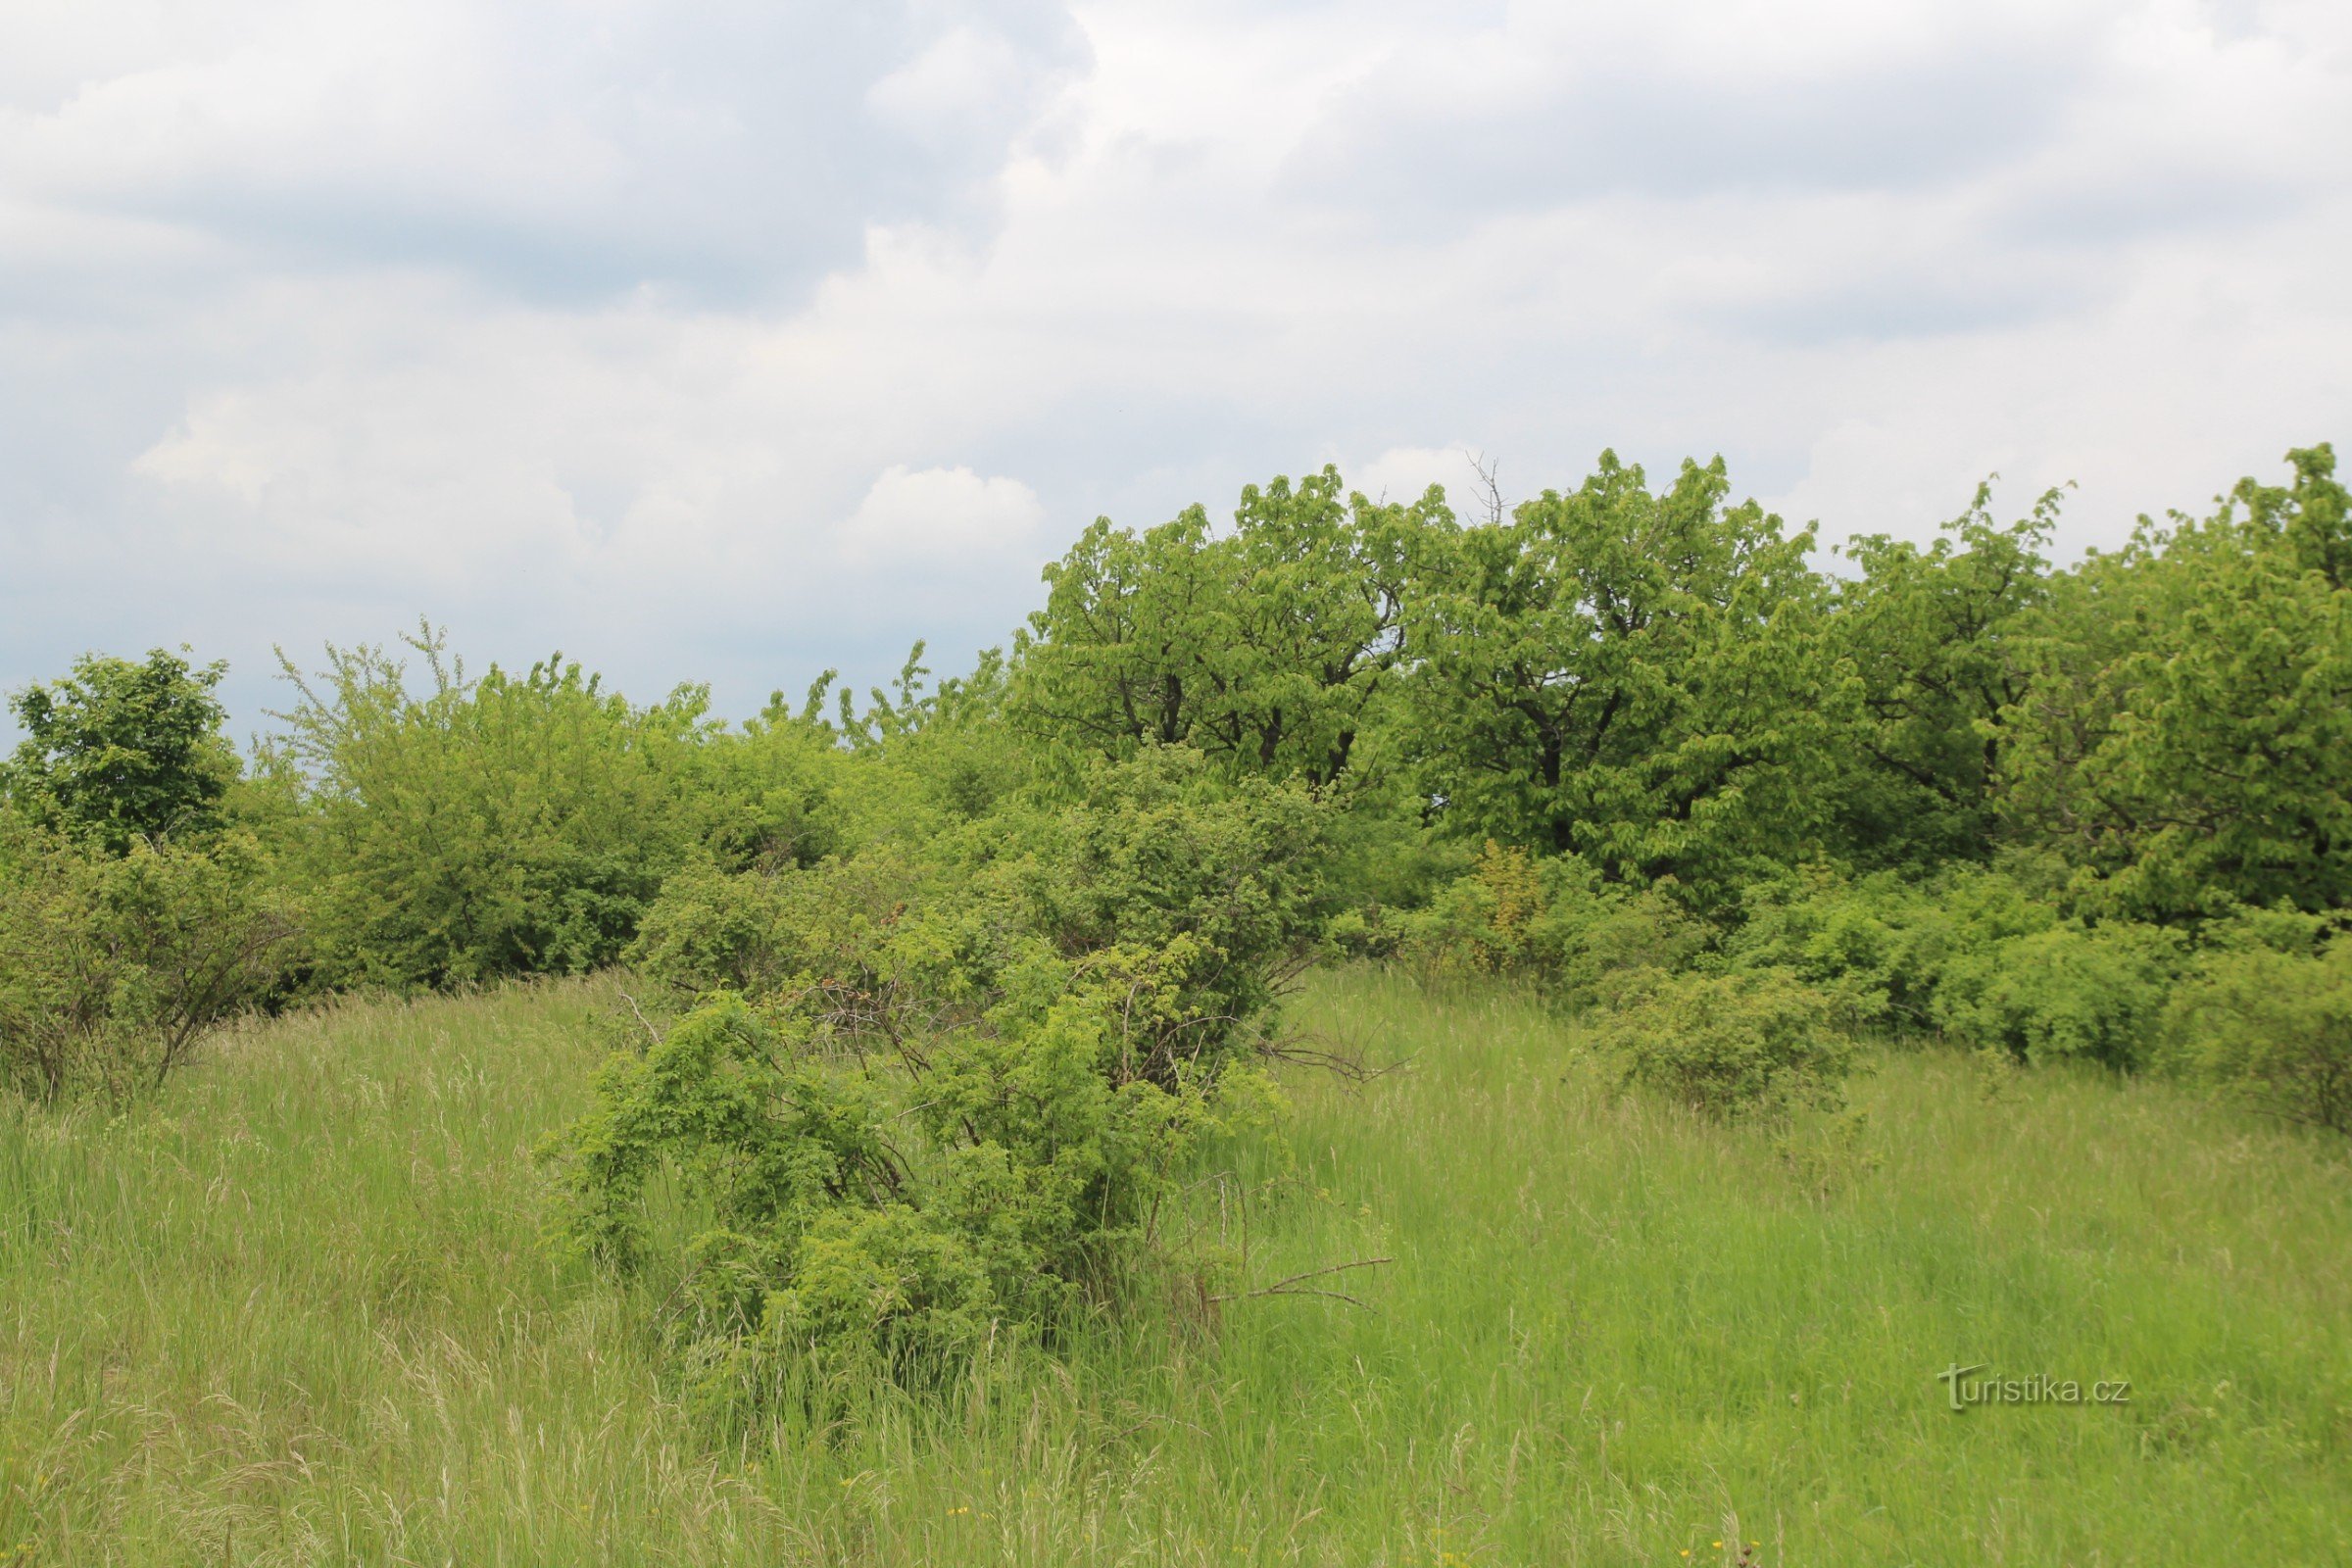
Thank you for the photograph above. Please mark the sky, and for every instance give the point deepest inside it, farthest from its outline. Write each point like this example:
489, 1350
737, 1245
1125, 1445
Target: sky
728, 342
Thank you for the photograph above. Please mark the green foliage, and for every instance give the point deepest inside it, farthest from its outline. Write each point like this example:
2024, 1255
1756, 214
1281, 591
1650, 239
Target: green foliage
941, 1092
1931, 636
2272, 1026
1882, 945
1158, 856
1553, 921
1731, 1046
114, 969
500, 826
1266, 648
122, 752
2188, 737
1980, 955
1859, 943
1635, 677
2070, 991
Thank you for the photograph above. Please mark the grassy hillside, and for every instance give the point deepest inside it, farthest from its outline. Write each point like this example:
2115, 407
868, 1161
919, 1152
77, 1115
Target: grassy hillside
299, 1312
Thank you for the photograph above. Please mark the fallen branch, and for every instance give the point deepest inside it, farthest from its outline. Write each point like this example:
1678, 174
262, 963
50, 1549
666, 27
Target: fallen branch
1291, 1285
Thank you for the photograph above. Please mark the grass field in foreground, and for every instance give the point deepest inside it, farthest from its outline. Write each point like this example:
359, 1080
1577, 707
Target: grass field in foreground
297, 1312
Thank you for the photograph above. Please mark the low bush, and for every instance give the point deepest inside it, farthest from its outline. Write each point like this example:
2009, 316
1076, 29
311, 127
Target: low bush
941, 1098
1851, 941
2070, 991
1555, 921
114, 969
1734, 1046
1882, 945
2271, 1026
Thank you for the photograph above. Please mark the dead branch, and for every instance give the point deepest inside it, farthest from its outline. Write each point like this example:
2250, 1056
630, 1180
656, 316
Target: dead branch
1293, 1286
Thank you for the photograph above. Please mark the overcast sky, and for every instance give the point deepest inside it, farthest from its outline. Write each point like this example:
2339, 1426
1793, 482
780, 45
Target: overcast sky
729, 341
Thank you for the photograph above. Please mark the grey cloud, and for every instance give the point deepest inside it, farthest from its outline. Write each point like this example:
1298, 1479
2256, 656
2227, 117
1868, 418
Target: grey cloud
2112, 207
1640, 127
730, 155
1896, 306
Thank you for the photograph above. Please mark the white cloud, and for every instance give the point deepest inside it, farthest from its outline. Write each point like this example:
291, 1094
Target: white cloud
925, 521
1405, 474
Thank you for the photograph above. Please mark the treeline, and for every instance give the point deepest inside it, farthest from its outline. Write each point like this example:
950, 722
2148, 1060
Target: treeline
946, 989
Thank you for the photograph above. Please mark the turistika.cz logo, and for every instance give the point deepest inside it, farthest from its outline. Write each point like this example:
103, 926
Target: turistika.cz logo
1967, 1389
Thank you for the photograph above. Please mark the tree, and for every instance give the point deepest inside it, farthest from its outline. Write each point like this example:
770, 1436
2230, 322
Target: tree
1932, 636
1635, 677
1267, 648
2186, 737
122, 751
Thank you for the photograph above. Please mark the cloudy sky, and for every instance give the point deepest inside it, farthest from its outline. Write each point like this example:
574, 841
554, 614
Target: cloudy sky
728, 341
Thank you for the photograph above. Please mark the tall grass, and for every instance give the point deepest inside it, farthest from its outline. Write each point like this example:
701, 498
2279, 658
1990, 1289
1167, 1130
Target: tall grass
299, 1312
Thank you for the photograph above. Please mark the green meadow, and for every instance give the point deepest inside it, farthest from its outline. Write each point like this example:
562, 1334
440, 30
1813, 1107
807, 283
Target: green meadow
300, 1308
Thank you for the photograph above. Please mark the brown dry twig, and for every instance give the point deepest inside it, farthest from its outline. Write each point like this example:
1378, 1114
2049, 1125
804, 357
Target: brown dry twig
1291, 1285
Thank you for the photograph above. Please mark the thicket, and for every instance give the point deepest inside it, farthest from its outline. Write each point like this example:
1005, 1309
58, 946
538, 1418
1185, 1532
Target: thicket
945, 991
927, 1100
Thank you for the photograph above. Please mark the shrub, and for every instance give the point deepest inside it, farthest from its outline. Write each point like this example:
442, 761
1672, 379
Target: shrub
866, 1207
1147, 856
2274, 1027
2085, 993
505, 825
114, 969
947, 1090
1478, 923
1555, 921
1594, 945
1731, 1046
1894, 951
1368, 932
715, 930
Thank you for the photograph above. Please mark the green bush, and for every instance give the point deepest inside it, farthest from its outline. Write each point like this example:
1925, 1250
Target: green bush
2070, 991
505, 825
114, 969
943, 1092
1370, 932
1851, 941
1161, 850
1595, 944
1882, 946
715, 930
1553, 921
2271, 1026
1731, 1046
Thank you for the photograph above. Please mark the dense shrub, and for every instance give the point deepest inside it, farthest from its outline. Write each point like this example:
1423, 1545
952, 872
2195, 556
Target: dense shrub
1882, 945
1851, 941
1148, 854
2070, 991
1731, 1046
944, 1094
1481, 922
112, 968
1553, 921
511, 824
2271, 1026
713, 930
1983, 957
